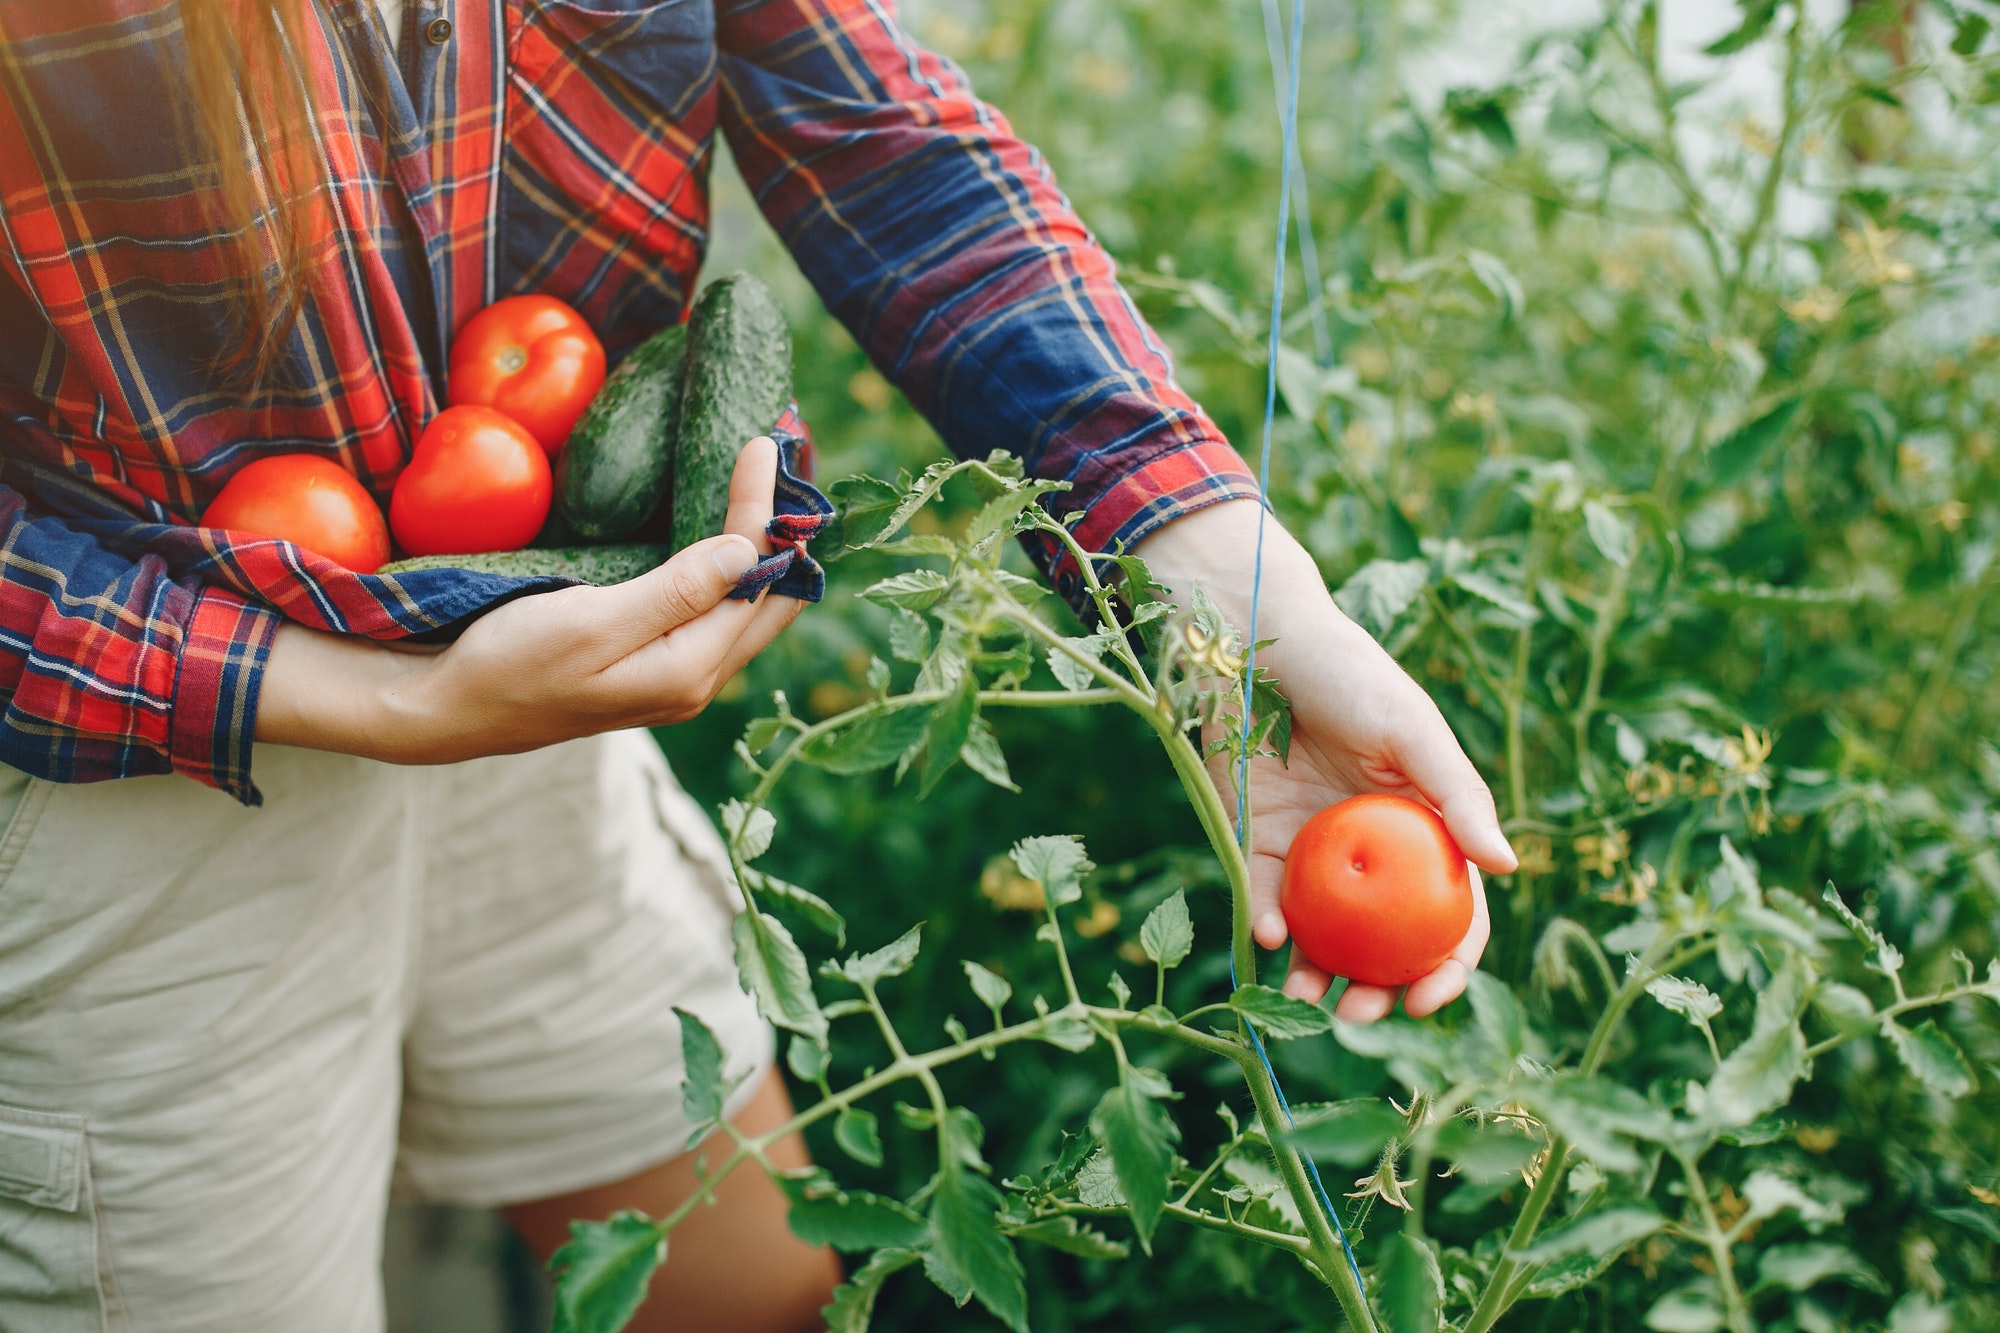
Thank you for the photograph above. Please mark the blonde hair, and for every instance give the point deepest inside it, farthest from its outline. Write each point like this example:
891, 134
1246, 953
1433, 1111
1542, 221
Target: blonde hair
252, 116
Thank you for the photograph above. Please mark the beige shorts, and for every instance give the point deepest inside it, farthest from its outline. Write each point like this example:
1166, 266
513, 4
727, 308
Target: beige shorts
226, 1034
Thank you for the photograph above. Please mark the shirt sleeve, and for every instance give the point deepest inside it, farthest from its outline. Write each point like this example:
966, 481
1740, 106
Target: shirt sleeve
111, 668
942, 243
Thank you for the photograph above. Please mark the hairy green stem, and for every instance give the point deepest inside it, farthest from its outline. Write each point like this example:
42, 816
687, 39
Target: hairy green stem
1277, 1240
1735, 1308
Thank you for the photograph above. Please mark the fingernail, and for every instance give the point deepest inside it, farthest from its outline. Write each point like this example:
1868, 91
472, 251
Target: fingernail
734, 557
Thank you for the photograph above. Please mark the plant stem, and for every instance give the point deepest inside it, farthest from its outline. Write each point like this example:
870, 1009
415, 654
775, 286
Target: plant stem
1962, 617
1736, 1308
1277, 1240
1904, 1006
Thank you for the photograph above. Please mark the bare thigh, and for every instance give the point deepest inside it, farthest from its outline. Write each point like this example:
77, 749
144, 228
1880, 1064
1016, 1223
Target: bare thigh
734, 1264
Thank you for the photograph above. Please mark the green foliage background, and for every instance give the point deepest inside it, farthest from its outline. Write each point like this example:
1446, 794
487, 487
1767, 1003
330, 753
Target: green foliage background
1686, 518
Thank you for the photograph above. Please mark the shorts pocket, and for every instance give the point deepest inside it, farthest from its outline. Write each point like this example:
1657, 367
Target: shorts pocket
49, 1264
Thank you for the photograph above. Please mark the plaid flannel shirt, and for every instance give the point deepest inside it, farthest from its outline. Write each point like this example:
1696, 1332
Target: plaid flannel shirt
512, 146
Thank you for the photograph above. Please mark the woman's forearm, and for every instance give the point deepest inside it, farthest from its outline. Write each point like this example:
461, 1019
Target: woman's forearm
334, 692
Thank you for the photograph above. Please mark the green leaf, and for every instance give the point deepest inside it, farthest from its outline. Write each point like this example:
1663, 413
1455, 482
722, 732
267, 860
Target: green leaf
1488, 1153
815, 910
853, 1304
1496, 593
806, 1061
1694, 1308
1805, 1264
1600, 1117
603, 1271
1278, 1016
1351, 1132
1063, 1233
913, 589
996, 517
1491, 272
1139, 1134
982, 754
992, 989
1971, 32
1611, 532
968, 1252
1694, 1001
1499, 1017
1757, 16
1382, 590
703, 1089
1741, 452
1757, 1076
749, 828
1409, 1287
855, 1130
1070, 673
909, 636
863, 506
1929, 1052
1605, 1232
949, 729
773, 969
1981, 1221
1168, 934
874, 742
1058, 863
852, 1220
891, 960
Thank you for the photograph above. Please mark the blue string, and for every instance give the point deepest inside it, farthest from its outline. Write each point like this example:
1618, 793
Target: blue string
1290, 77
1301, 201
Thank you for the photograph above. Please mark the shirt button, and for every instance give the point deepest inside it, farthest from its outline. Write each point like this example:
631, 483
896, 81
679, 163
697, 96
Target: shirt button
437, 32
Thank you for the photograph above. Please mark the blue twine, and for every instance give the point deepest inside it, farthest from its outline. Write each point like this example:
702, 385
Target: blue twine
1301, 201
1289, 74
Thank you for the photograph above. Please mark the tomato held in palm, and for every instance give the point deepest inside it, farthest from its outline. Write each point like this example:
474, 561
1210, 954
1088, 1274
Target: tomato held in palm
307, 499
477, 482
1376, 891
533, 358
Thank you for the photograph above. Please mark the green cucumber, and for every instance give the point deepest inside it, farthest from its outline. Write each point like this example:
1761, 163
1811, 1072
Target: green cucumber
586, 564
738, 383
613, 472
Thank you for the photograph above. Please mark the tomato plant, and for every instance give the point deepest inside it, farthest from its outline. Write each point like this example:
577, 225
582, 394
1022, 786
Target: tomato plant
477, 481
532, 358
307, 499
1375, 890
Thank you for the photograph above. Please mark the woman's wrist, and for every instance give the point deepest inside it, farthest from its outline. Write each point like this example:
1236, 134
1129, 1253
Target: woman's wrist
342, 693
1216, 547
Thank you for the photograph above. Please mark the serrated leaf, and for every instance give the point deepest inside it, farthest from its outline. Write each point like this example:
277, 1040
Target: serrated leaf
815, 910
909, 636
1849, 1010
913, 589
1168, 933
1694, 1308
891, 960
1601, 1118
603, 1271
983, 755
1769, 1194
1071, 1034
1610, 532
1605, 1232
874, 742
968, 1249
1928, 1052
773, 969
996, 517
858, 1135
1382, 590
1057, 862
1070, 673
1498, 1015
1063, 1233
749, 828
1351, 1133
702, 1087
1409, 1287
1492, 591
1139, 1134
851, 1220
1692, 1000
949, 728
1097, 1183
853, 1304
1757, 1076
1278, 1016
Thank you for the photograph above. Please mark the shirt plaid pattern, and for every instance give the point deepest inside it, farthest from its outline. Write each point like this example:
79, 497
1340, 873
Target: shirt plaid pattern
545, 145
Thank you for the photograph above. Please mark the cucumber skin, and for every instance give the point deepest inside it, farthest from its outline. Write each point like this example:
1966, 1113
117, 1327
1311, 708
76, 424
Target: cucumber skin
613, 472
586, 564
738, 383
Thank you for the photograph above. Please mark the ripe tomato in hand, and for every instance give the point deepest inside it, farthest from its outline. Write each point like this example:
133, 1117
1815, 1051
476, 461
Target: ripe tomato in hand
533, 358
477, 482
308, 499
1376, 891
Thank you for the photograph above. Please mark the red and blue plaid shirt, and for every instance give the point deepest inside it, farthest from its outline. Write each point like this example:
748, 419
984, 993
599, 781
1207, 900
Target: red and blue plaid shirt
512, 146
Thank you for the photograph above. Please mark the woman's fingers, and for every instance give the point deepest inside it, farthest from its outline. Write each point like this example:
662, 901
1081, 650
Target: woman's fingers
1429, 756
1362, 1003
696, 581
751, 488
1432, 992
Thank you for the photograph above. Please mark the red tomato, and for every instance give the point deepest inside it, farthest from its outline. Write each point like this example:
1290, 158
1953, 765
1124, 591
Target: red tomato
1376, 890
308, 499
533, 358
477, 482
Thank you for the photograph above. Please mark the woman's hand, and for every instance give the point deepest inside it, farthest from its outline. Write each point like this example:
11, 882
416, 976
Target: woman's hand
545, 668
1359, 724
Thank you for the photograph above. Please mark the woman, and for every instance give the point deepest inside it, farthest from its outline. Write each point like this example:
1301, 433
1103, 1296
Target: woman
445, 950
